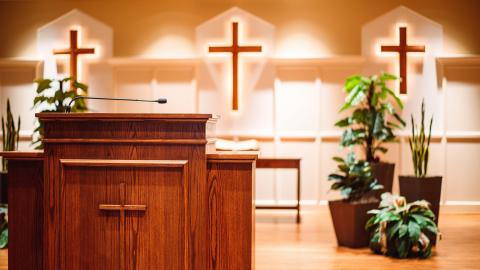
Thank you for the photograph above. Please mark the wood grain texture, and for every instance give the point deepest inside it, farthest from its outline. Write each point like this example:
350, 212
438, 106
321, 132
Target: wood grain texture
231, 213
133, 128
280, 162
150, 235
283, 245
25, 217
124, 163
132, 193
22, 154
45, 116
128, 141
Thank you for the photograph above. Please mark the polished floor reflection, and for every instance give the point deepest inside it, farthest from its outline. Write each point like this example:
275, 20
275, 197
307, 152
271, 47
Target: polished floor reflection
281, 244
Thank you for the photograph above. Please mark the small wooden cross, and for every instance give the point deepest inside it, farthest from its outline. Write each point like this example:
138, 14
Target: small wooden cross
402, 49
235, 49
122, 208
74, 51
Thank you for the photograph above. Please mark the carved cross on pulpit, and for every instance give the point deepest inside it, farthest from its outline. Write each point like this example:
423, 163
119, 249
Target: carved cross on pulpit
235, 49
74, 51
122, 208
402, 49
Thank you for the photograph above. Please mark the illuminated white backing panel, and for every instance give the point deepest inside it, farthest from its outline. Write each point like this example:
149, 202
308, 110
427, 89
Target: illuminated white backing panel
421, 68
421, 73
178, 85
255, 76
93, 69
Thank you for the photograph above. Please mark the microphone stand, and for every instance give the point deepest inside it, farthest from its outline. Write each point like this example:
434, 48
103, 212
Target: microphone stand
159, 101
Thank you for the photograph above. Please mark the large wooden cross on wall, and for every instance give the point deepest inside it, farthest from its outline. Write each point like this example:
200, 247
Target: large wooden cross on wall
235, 49
402, 49
74, 51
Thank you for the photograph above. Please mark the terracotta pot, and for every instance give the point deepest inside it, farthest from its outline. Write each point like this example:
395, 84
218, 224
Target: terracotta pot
384, 173
349, 221
3, 187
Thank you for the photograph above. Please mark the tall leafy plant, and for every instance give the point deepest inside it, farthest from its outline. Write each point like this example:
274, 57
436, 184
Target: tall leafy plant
374, 118
53, 96
401, 229
10, 134
419, 145
354, 178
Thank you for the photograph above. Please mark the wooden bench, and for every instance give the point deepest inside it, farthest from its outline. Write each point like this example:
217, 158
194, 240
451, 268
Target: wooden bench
282, 163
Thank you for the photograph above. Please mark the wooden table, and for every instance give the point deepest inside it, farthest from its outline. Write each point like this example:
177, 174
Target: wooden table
282, 163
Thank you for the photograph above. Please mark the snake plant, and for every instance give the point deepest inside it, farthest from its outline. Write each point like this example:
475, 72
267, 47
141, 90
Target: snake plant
10, 134
419, 145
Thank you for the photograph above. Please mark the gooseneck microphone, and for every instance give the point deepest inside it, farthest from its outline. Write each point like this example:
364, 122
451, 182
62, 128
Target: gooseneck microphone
159, 101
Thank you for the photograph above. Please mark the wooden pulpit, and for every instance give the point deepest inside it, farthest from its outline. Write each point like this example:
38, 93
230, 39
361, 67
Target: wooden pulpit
130, 191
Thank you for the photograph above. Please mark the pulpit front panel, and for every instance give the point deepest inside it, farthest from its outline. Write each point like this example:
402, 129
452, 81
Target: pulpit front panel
123, 214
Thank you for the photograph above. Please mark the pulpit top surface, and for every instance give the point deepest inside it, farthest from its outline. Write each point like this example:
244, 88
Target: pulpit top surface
127, 116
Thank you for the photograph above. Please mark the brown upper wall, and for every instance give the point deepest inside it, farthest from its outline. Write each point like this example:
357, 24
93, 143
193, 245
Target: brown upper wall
136, 24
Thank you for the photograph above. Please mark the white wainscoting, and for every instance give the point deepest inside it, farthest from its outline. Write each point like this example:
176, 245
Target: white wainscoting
302, 106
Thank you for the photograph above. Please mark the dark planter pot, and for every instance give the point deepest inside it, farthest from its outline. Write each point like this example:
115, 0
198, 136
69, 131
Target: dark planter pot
423, 188
349, 221
3, 187
384, 173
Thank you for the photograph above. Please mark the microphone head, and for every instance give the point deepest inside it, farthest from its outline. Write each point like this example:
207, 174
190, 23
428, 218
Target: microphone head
161, 100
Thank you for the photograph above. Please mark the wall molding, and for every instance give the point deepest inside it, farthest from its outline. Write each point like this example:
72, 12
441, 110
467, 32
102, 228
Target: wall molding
126, 62
330, 136
443, 63
447, 204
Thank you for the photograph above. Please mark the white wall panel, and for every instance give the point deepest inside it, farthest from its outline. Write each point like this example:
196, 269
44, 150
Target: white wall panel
309, 165
178, 86
16, 85
134, 83
296, 101
333, 95
463, 102
462, 179
265, 186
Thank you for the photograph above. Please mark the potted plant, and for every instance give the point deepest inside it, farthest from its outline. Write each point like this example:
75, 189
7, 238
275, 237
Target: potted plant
400, 229
3, 226
355, 182
372, 121
57, 102
420, 186
10, 139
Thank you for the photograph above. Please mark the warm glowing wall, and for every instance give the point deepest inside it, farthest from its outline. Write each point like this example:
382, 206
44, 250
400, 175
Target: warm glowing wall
148, 27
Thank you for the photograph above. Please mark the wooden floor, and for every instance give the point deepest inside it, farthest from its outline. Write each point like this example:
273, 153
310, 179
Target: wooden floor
282, 244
